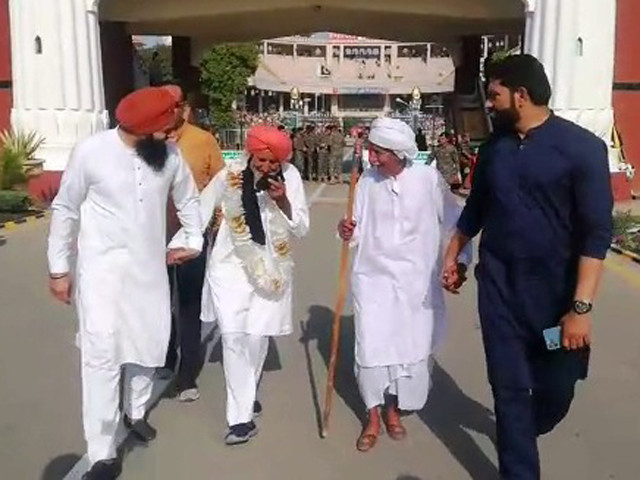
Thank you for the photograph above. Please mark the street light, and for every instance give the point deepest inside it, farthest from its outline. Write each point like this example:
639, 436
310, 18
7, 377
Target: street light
295, 103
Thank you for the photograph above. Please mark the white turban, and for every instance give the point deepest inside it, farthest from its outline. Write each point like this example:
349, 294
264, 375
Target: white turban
394, 135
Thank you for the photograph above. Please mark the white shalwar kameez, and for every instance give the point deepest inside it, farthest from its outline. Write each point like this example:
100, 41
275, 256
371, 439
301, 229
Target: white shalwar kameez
117, 206
246, 317
398, 298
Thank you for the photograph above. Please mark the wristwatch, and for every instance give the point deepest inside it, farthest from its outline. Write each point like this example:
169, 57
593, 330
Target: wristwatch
582, 307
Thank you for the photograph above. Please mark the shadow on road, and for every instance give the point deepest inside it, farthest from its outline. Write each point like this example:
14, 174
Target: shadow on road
449, 413
318, 327
58, 468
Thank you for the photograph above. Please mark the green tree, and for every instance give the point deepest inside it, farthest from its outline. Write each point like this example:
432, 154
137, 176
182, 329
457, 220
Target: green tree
161, 64
224, 73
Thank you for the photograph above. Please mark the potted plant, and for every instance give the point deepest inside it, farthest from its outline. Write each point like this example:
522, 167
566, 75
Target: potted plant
19, 151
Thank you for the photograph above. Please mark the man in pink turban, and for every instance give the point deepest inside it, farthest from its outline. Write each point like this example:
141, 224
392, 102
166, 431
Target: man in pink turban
248, 286
264, 138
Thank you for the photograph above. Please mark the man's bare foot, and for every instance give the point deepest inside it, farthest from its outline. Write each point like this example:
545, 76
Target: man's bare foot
371, 432
393, 422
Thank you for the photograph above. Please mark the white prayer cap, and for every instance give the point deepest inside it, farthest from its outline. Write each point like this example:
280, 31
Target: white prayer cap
395, 135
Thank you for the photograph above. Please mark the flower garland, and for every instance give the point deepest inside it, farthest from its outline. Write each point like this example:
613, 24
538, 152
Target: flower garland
269, 277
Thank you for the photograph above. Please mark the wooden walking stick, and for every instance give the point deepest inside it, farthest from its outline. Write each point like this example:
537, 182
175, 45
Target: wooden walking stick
342, 296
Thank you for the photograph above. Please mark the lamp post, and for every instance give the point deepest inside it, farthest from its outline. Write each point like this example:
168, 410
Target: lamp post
416, 103
295, 103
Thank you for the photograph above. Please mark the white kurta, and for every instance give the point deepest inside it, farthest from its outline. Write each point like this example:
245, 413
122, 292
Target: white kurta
118, 204
228, 296
399, 305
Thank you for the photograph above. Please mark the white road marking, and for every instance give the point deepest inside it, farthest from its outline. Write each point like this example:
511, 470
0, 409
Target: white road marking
314, 197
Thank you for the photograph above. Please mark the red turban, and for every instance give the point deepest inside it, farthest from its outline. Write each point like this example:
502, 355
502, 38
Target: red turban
263, 138
176, 91
146, 111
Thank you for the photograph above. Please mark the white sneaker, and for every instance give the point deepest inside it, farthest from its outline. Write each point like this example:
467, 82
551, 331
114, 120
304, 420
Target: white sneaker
189, 395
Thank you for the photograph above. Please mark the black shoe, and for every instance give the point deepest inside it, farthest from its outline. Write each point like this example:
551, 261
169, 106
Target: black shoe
257, 409
104, 470
141, 429
240, 433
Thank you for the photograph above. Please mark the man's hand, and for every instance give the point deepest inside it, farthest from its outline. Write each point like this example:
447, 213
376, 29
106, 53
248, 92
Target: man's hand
346, 229
576, 331
60, 288
178, 256
454, 275
277, 191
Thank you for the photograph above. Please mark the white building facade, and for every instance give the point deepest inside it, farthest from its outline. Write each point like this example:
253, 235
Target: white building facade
58, 83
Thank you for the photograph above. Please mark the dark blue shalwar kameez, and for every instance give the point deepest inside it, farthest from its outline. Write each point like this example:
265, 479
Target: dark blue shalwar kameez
541, 202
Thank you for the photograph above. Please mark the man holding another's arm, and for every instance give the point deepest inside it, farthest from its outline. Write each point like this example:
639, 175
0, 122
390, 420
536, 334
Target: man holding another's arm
542, 198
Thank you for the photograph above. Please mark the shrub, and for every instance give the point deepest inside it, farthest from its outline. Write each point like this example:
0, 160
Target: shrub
12, 169
14, 202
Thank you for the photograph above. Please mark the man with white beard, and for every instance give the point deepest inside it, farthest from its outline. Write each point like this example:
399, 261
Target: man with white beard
402, 213
112, 207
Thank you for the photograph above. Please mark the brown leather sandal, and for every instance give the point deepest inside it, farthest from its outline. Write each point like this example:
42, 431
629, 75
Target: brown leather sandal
396, 431
366, 441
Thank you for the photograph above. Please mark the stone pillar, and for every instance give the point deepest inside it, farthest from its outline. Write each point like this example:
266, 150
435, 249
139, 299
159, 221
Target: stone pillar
468, 68
335, 110
387, 103
117, 64
5, 67
575, 40
63, 47
181, 61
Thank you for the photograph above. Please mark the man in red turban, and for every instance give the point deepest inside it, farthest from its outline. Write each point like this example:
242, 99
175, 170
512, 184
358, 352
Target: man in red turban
120, 180
145, 119
248, 287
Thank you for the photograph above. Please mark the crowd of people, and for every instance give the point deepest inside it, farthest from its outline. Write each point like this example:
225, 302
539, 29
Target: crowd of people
541, 197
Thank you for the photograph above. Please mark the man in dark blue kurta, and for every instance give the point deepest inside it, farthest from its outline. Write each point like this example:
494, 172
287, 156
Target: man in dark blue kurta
541, 196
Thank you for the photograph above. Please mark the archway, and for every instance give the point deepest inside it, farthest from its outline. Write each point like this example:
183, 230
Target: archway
60, 92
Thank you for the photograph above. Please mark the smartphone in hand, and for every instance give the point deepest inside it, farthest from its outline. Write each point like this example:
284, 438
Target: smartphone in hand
553, 338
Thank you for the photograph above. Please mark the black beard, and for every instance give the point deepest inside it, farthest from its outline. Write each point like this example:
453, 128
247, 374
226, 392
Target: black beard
153, 152
505, 120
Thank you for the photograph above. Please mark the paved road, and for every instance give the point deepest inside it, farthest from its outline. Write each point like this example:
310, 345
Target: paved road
452, 439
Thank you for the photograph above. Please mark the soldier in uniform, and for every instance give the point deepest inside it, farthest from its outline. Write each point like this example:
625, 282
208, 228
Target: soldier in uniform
311, 160
323, 153
336, 144
447, 160
299, 150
